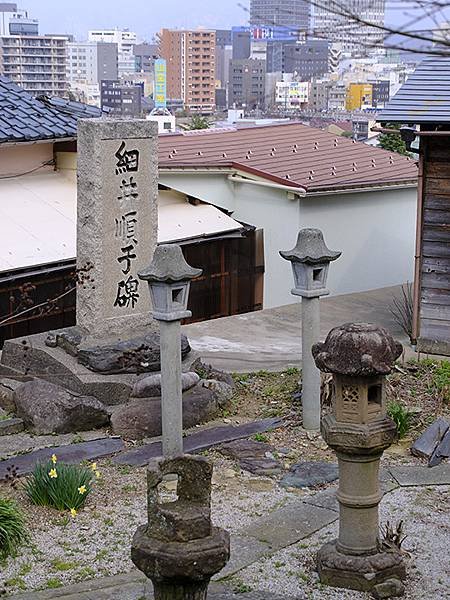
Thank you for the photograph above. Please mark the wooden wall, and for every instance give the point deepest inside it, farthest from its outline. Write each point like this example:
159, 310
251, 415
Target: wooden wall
434, 333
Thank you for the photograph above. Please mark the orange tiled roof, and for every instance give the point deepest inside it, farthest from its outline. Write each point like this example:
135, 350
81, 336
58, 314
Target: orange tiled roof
292, 154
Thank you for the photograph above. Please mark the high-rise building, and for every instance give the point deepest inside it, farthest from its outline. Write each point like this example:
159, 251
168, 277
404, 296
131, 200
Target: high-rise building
125, 41
145, 55
247, 83
308, 58
90, 62
190, 57
35, 62
14, 21
295, 13
332, 21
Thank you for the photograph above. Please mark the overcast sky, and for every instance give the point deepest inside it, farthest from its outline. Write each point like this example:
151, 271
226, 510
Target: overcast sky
148, 16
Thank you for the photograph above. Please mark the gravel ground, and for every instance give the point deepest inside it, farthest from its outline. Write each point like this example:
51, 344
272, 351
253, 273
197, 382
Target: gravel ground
97, 541
426, 512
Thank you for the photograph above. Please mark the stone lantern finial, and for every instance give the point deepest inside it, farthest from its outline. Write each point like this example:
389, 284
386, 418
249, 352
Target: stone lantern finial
169, 277
310, 260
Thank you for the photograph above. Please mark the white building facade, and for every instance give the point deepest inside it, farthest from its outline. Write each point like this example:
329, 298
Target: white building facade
125, 40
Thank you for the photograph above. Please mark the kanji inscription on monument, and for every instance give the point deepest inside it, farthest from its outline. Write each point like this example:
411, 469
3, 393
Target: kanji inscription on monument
117, 222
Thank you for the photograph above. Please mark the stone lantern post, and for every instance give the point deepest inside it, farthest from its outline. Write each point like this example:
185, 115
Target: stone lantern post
359, 356
169, 278
310, 260
179, 549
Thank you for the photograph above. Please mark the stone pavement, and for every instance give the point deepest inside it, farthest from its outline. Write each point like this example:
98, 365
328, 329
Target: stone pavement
264, 537
271, 339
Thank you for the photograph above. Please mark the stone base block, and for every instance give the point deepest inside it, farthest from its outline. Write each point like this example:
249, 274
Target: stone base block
193, 561
363, 573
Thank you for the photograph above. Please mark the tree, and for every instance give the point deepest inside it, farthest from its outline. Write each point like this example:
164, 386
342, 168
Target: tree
393, 141
198, 122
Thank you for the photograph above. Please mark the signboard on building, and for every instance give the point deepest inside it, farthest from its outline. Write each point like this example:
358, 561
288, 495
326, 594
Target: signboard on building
160, 95
291, 94
269, 32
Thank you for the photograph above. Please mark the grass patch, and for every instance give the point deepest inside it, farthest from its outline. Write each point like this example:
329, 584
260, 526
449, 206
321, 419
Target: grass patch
63, 565
12, 528
401, 417
441, 379
53, 583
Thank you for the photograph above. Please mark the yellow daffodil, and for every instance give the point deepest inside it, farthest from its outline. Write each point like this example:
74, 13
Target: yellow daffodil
97, 474
94, 466
53, 474
54, 459
82, 489
73, 512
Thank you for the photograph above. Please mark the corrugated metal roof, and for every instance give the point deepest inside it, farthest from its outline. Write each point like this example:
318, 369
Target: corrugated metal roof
292, 154
38, 216
24, 118
424, 97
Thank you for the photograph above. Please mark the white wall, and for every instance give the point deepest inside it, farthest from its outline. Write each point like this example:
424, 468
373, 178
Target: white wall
375, 230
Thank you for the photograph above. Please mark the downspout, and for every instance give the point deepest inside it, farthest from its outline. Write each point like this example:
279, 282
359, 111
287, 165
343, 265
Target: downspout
418, 253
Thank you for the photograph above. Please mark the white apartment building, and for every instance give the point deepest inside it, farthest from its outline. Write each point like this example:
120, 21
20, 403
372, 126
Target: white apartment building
90, 62
291, 94
125, 40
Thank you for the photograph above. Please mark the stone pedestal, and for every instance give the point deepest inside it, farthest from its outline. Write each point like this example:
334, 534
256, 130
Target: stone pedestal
179, 549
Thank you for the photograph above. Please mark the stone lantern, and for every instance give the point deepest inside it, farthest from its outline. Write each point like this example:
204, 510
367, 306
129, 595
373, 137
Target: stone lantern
179, 549
169, 278
359, 356
310, 259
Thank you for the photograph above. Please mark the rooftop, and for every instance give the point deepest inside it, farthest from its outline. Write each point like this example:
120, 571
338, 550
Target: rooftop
290, 154
24, 118
424, 97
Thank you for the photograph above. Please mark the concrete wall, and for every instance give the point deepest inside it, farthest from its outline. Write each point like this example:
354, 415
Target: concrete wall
24, 157
375, 230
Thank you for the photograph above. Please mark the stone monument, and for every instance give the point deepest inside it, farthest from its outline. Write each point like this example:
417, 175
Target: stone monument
179, 549
117, 223
359, 356
310, 260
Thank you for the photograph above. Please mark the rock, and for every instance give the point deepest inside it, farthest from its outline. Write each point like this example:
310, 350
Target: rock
136, 355
11, 425
148, 386
442, 451
389, 588
310, 473
224, 392
49, 408
209, 372
141, 417
7, 388
255, 457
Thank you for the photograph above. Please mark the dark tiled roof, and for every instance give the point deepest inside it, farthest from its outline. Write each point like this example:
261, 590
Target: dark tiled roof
24, 118
424, 97
291, 154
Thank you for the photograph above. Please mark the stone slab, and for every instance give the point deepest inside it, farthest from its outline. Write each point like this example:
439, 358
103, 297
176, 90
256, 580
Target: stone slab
289, 524
413, 476
198, 441
426, 444
324, 499
309, 474
73, 453
245, 550
132, 586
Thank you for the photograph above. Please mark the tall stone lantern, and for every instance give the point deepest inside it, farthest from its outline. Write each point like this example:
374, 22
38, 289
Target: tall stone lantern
310, 260
359, 356
169, 278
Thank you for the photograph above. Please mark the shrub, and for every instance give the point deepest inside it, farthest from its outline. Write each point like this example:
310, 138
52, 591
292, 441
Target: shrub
402, 310
401, 417
12, 528
59, 485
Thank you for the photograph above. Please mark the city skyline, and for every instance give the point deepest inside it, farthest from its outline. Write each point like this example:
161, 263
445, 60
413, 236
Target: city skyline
146, 19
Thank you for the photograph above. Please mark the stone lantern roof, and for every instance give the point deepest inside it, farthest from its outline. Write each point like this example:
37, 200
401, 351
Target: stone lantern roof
169, 266
310, 248
357, 349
